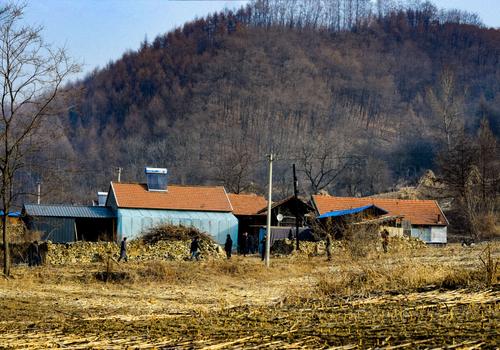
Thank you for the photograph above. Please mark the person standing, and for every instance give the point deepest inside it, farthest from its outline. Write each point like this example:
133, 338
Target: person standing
123, 250
385, 240
328, 247
244, 244
195, 249
34, 254
228, 246
263, 251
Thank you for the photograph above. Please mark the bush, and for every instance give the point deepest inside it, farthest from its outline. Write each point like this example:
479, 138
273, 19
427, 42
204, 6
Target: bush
488, 226
360, 240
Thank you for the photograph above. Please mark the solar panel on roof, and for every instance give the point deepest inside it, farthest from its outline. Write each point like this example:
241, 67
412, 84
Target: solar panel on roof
156, 179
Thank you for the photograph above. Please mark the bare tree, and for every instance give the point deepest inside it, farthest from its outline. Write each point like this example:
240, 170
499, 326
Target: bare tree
322, 161
31, 76
447, 106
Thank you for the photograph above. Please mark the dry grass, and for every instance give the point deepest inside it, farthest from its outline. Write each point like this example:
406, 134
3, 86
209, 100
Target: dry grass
434, 297
397, 276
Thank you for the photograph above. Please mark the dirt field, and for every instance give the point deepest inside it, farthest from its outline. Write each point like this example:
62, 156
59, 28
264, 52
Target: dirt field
423, 298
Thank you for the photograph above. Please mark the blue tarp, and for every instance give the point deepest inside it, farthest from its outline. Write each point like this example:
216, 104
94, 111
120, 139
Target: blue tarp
12, 214
349, 211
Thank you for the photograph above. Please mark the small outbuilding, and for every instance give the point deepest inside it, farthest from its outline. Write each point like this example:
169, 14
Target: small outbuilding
69, 223
288, 209
423, 219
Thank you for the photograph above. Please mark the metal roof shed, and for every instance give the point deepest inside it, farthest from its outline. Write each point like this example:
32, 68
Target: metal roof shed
68, 223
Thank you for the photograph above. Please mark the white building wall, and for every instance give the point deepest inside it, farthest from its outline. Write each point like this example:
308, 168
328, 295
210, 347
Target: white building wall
439, 234
430, 234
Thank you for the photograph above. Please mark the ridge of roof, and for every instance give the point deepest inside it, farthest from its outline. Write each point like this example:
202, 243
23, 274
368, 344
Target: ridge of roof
374, 198
169, 185
62, 205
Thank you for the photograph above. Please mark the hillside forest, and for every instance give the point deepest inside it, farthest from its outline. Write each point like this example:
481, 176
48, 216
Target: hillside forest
364, 98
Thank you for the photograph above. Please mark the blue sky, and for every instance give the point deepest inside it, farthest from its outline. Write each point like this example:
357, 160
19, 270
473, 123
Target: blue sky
96, 32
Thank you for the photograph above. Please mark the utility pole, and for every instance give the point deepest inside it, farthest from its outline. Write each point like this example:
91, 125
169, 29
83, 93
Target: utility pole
119, 173
296, 195
38, 191
269, 200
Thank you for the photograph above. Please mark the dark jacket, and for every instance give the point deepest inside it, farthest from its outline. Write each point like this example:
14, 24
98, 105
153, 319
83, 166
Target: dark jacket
244, 243
195, 245
228, 246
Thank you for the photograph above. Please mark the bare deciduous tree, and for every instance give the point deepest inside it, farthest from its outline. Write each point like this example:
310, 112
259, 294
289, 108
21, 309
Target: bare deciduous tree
323, 161
31, 76
448, 107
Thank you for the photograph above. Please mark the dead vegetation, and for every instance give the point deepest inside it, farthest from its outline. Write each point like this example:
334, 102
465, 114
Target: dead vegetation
433, 297
167, 232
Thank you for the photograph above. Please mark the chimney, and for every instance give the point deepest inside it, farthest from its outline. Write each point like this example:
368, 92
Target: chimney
156, 179
439, 218
101, 198
38, 191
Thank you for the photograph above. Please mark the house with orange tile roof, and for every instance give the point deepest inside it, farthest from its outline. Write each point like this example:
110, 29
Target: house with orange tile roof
424, 217
246, 207
140, 206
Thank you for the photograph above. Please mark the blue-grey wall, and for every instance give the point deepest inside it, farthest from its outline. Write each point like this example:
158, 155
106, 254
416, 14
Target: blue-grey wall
60, 230
131, 223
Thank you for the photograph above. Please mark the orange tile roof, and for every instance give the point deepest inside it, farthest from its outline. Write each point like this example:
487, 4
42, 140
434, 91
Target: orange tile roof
419, 212
246, 204
198, 198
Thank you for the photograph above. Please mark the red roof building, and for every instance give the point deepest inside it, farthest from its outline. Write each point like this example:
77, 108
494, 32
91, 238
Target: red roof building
198, 198
139, 207
246, 204
425, 216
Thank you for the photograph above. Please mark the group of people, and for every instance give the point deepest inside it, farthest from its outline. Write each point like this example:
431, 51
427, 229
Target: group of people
195, 254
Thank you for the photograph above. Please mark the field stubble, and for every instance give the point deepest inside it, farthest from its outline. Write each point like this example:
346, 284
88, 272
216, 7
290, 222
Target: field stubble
424, 298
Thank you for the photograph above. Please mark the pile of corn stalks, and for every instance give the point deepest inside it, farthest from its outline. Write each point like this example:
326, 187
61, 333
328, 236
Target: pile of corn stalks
139, 250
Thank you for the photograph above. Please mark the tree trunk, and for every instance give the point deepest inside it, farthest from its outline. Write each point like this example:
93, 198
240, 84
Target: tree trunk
6, 255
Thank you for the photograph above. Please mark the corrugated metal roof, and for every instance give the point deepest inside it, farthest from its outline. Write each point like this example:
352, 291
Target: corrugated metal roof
68, 211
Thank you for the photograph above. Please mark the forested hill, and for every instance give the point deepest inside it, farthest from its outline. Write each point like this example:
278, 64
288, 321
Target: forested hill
361, 98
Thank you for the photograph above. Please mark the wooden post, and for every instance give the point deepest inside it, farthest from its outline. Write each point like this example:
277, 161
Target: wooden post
296, 195
269, 200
